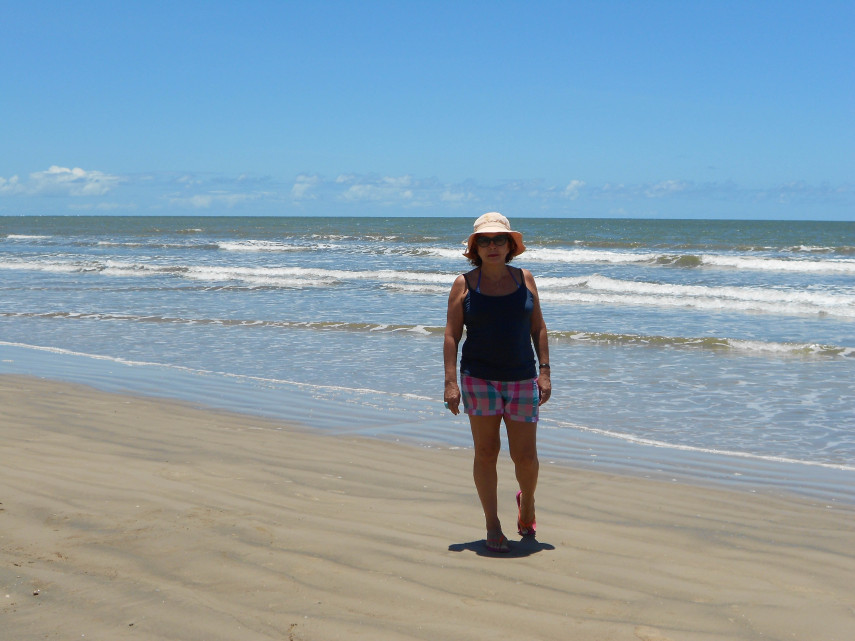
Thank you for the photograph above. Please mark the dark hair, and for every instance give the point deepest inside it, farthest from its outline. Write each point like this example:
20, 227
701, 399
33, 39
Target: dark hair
475, 258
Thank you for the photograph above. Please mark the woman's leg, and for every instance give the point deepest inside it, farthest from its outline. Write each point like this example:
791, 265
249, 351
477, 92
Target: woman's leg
487, 441
522, 443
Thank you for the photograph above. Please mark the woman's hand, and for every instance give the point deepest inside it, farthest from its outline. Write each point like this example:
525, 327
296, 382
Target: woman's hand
452, 397
544, 386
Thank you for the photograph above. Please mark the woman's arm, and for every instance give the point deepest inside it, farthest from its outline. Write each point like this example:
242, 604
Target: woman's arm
453, 333
540, 340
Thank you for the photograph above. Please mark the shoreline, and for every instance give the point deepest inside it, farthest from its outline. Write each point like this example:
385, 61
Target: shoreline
126, 515
427, 424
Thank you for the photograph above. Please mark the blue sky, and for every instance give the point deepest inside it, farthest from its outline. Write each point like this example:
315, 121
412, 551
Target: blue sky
687, 109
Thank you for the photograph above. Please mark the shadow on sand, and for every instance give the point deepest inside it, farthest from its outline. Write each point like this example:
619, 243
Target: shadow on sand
524, 547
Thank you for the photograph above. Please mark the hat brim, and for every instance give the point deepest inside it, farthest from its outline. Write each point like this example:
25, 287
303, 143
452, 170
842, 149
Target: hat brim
471, 252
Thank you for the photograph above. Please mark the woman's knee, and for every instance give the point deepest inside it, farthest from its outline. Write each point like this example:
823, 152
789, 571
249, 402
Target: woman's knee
487, 450
486, 437
526, 458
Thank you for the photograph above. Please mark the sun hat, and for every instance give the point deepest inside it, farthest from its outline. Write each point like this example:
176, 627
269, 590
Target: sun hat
493, 223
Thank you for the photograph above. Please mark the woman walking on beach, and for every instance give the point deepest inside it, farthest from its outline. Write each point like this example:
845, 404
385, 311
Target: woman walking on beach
500, 308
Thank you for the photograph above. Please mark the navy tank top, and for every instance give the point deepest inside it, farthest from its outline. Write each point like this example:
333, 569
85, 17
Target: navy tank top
498, 334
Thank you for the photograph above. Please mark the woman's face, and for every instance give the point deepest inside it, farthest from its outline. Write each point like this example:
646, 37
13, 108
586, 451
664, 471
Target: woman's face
493, 248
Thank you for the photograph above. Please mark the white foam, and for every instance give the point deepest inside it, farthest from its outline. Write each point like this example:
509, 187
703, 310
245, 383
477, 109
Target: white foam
39, 266
417, 289
26, 237
444, 252
300, 276
761, 263
840, 266
602, 289
639, 440
788, 348
260, 246
256, 276
588, 256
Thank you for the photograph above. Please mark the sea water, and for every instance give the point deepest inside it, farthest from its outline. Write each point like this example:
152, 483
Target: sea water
713, 350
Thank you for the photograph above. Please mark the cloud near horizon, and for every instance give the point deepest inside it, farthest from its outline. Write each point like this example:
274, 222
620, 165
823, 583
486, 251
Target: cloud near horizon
365, 194
216, 198
407, 190
61, 181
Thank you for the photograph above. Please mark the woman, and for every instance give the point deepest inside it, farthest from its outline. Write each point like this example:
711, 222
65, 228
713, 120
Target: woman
500, 308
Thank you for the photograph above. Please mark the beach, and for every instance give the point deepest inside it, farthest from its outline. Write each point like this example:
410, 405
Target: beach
131, 517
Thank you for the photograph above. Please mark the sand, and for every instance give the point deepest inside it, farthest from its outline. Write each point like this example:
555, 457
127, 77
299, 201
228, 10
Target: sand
135, 518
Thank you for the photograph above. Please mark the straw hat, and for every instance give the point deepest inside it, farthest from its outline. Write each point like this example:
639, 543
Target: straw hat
493, 223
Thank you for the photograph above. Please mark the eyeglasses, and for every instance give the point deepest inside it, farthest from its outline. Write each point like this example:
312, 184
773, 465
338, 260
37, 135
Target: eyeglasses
498, 241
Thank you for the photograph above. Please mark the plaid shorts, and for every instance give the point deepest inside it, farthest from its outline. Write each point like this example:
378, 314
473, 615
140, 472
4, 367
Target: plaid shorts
515, 400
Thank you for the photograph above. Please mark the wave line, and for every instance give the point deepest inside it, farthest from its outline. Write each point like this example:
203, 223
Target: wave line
640, 440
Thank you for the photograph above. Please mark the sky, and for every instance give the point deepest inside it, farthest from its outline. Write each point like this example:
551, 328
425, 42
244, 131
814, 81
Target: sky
653, 109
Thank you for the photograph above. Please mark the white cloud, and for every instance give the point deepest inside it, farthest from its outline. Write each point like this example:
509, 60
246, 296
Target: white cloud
451, 196
376, 193
61, 181
303, 185
199, 201
10, 186
188, 180
387, 189
103, 207
665, 188
662, 189
219, 199
572, 189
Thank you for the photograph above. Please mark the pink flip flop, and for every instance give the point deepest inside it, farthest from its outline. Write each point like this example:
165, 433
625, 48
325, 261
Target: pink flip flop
524, 529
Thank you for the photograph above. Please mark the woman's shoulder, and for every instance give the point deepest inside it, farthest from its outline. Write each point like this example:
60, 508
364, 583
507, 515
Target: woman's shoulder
523, 273
460, 283
527, 277
469, 277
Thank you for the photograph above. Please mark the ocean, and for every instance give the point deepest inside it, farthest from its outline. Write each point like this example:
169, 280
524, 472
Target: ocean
704, 350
